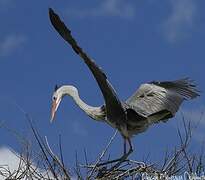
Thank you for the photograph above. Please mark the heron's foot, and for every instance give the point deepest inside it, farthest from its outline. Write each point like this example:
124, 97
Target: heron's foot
119, 160
109, 162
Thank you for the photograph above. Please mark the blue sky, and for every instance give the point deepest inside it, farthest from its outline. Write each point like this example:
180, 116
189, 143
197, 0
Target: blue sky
133, 41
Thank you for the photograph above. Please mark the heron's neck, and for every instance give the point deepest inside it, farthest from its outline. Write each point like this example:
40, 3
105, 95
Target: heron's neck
96, 113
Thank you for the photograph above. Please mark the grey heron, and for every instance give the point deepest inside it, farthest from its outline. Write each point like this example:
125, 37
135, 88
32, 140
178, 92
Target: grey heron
153, 102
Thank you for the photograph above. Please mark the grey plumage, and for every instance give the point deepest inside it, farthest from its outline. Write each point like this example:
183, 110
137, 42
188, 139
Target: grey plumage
154, 97
158, 101
152, 102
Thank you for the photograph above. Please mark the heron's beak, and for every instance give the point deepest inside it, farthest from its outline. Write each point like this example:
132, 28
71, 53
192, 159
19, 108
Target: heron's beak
54, 108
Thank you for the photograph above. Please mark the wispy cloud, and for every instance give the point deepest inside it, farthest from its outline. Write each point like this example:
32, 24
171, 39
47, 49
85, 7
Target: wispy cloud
118, 8
181, 20
5, 4
11, 43
9, 160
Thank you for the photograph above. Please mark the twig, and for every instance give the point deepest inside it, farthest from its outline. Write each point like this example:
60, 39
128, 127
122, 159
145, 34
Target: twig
103, 154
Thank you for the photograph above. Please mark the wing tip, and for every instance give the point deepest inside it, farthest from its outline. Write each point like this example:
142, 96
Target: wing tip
53, 16
186, 87
191, 87
50, 10
51, 13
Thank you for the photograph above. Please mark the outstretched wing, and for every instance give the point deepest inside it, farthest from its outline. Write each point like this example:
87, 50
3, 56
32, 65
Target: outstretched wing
162, 98
113, 105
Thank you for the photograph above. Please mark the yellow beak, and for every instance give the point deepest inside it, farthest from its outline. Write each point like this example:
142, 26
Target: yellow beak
53, 110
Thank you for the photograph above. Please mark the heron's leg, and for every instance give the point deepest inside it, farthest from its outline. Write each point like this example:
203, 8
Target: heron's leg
130, 143
125, 146
124, 157
121, 159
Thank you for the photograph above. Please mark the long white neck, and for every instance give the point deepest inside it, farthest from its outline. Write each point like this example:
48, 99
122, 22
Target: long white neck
96, 113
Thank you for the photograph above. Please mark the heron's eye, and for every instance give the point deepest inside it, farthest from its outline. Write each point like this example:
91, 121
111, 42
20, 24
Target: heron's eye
54, 98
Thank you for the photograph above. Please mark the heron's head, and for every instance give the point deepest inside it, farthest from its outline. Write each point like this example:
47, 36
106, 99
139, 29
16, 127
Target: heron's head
56, 99
59, 93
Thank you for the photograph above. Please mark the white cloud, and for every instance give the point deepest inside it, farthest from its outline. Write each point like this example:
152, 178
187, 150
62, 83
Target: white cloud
11, 43
118, 8
10, 161
181, 19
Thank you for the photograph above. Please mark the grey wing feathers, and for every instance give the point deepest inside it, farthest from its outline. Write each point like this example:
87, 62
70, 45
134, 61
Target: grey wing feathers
155, 97
185, 87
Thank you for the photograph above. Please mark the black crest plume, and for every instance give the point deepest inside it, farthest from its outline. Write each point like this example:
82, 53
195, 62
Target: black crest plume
56, 87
